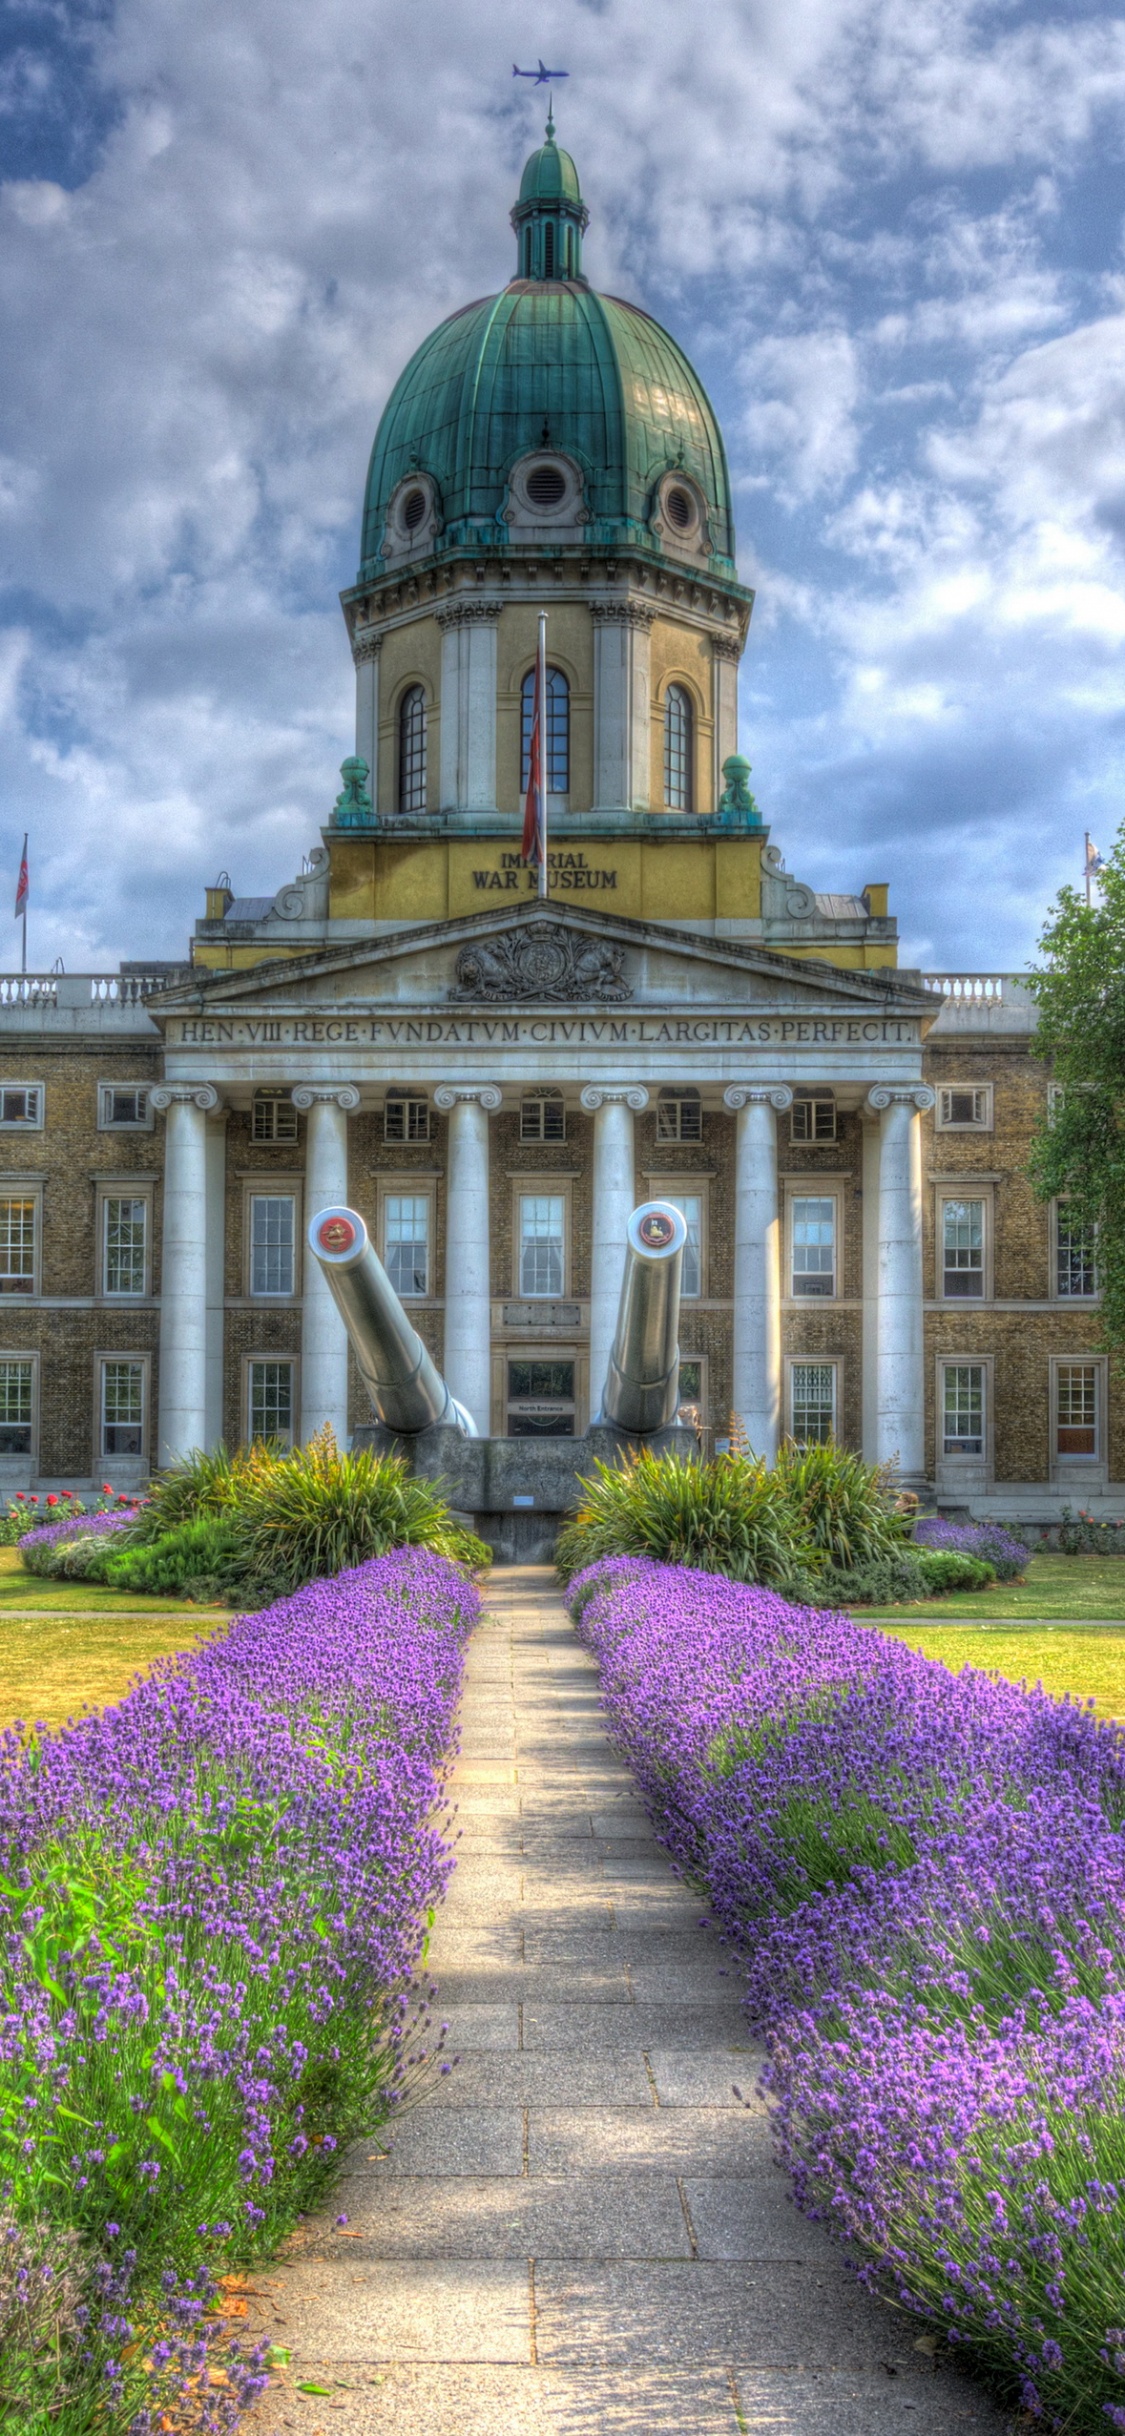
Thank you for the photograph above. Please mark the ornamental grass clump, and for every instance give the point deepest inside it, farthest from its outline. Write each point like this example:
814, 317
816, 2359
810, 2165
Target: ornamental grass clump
819, 1506
731, 1516
924, 1878
213, 1898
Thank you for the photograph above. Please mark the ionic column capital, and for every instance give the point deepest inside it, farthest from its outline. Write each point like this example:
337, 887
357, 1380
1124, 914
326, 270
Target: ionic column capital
898, 1095
306, 1095
744, 1095
489, 1095
600, 1095
167, 1095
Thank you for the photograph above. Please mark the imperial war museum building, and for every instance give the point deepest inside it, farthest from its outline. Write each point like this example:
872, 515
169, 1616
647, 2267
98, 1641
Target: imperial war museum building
494, 1082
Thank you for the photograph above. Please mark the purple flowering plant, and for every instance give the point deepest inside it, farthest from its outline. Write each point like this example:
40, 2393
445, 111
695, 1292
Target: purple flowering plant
923, 1876
1007, 1556
213, 1901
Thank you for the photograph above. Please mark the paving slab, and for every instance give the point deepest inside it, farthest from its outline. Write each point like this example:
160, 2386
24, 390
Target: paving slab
580, 2230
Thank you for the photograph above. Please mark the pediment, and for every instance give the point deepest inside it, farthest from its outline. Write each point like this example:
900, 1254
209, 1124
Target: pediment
545, 957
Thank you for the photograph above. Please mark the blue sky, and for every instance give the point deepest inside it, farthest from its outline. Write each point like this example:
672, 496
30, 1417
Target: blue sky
888, 231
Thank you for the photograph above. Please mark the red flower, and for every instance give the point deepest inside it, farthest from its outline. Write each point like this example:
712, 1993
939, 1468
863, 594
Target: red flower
106, 1489
52, 1501
20, 1498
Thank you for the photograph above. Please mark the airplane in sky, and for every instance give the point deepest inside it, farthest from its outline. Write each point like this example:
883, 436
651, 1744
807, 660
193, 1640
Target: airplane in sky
541, 75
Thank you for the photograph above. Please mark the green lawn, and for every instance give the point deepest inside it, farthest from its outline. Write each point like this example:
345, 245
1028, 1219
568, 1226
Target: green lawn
1088, 1663
1070, 1589
81, 1646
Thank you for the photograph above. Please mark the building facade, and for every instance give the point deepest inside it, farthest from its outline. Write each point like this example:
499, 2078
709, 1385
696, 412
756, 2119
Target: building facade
494, 1080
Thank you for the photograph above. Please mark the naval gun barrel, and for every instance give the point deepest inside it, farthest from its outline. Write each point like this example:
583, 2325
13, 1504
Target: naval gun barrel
402, 1379
642, 1384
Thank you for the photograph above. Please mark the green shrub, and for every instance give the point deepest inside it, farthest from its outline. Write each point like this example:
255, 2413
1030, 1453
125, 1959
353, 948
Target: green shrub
899, 1580
201, 1484
14, 1523
731, 1516
204, 1559
842, 1504
953, 1569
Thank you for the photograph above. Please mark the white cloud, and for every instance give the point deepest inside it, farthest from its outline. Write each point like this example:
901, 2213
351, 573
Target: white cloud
801, 408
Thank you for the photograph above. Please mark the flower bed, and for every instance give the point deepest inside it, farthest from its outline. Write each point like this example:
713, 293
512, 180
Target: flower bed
924, 1875
212, 1900
1008, 1557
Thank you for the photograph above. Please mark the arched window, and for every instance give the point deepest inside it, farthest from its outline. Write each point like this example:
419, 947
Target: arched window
527, 253
549, 250
558, 731
677, 749
412, 750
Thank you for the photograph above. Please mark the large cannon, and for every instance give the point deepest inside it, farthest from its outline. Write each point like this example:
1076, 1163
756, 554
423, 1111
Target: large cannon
642, 1384
402, 1379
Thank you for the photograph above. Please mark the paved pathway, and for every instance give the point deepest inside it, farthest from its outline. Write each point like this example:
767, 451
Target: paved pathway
581, 2231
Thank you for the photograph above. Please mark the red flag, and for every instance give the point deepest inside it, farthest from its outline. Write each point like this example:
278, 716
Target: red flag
23, 884
532, 848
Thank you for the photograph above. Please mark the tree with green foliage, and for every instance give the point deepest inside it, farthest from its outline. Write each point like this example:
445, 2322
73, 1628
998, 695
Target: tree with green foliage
1078, 1154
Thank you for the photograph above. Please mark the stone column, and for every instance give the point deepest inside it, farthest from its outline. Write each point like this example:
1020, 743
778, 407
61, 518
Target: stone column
622, 705
726, 652
324, 1341
900, 1392
468, 706
216, 1156
612, 1106
468, 1268
756, 1371
365, 653
182, 1421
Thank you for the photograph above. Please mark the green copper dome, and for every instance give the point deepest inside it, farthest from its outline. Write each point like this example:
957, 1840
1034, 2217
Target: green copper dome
548, 368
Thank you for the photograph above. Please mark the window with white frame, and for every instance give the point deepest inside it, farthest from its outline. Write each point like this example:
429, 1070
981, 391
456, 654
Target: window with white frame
405, 1118
269, 1400
962, 1408
17, 1388
542, 1243
812, 1399
1077, 1417
122, 1407
18, 1217
679, 1116
124, 1245
813, 1224
813, 1119
1076, 1275
543, 1117
272, 1243
962, 1250
964, 1108
690, 1206
124, 1108
406, 1237
21, 1107
274, 1118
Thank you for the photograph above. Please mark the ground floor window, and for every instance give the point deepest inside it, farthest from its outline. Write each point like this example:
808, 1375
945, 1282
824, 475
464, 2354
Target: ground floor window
15, 1407
1076, 1409
540, 1397
813, 1400
270, 1401
123, 1408
963, 1408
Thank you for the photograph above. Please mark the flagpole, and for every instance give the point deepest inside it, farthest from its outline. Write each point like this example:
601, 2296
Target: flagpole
544, 753
1089, 899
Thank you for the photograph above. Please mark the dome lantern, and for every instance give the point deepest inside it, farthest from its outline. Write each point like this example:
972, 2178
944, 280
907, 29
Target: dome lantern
550, 216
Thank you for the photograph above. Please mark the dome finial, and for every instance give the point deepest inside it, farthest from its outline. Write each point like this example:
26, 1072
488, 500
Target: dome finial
550, 215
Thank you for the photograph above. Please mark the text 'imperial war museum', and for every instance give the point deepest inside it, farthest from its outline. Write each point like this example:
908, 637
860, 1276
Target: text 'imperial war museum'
494, 1082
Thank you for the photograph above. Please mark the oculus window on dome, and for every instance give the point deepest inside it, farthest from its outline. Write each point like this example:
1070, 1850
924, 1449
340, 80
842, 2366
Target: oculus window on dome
558, 731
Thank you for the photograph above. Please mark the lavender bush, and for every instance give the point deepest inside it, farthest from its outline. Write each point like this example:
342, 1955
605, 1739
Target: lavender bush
924, 1876
1007, 1556
212, 1901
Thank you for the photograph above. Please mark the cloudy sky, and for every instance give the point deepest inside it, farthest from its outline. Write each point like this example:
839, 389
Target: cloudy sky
890, 234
